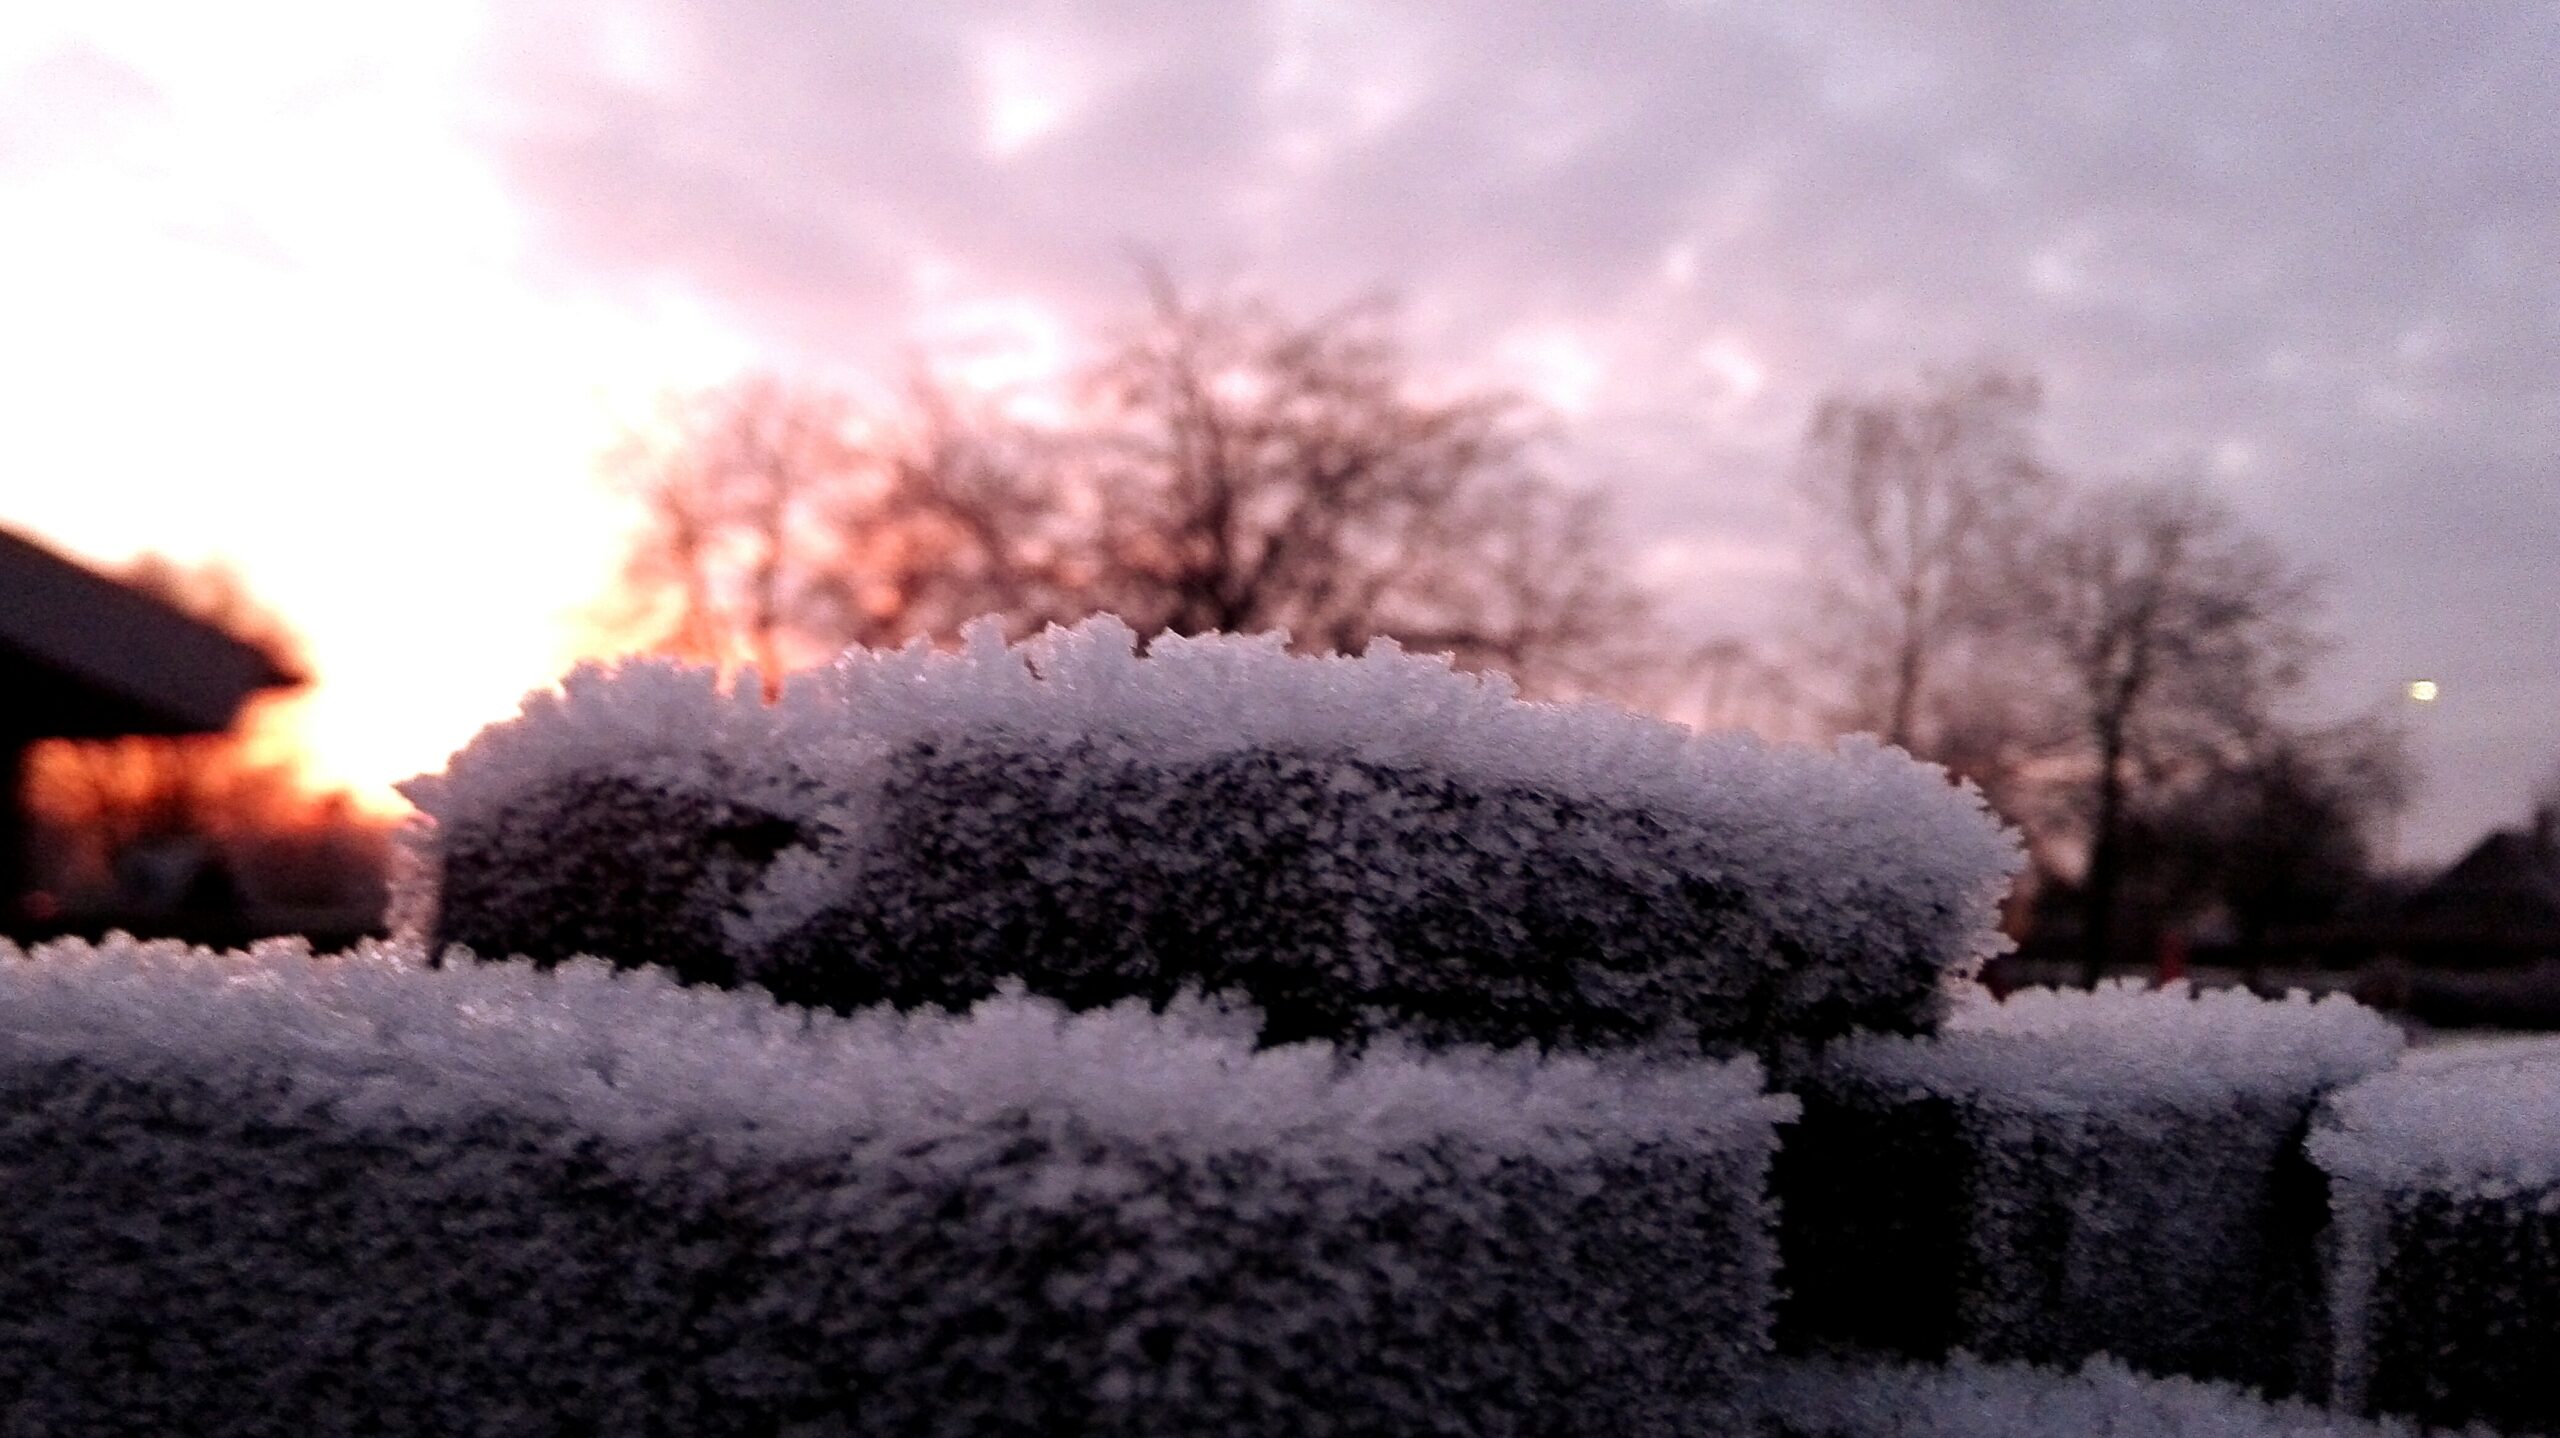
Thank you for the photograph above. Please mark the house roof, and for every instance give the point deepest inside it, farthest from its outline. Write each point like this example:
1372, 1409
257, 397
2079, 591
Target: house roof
83, 656
2509, 881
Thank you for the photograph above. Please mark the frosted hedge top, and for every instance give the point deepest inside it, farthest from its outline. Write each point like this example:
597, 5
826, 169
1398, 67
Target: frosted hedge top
2126, 1044
378, 1036
1858, 850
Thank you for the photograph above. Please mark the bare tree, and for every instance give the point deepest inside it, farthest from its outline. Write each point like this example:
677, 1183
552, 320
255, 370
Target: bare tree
1259, 472
1725, 683
779, 523
1928, 490
2005, 716
2110, 667
2285, 830
971, 516
1220, 467
744, 493
2177, 633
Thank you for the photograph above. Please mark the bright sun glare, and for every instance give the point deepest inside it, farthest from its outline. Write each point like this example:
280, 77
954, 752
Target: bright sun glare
357, 396
330, 407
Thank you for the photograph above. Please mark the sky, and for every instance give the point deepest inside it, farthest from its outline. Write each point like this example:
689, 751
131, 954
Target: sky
350, 296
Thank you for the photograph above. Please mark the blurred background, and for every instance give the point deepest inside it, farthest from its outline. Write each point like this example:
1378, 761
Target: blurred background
2148, 415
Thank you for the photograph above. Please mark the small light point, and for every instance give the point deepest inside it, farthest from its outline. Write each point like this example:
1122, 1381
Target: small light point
2423, 691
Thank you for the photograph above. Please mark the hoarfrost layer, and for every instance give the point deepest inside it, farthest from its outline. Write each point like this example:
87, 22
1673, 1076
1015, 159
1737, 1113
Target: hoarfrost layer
2062, 1050
1968, 1398
267, 1194
1428, 830
2485, 1123
382, 1037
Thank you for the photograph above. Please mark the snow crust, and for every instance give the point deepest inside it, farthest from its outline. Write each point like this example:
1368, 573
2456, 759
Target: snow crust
267, 1193
1837, 888
1968, 1398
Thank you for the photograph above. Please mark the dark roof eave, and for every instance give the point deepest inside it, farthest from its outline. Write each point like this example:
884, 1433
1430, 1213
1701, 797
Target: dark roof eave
126, 651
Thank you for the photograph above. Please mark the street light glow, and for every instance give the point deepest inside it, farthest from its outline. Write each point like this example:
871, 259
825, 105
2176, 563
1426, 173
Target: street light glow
2423, 691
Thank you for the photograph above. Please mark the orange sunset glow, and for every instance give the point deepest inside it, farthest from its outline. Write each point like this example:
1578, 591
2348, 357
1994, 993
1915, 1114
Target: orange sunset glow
332, 386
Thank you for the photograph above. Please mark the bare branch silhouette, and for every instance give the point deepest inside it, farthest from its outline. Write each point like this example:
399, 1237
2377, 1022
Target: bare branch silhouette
1221, 466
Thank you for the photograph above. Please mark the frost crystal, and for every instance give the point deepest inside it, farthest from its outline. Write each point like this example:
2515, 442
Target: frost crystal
2062, 1050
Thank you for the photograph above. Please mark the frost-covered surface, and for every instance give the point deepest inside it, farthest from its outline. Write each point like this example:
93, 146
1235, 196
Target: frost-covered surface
2445, 1281
2483, 1122
2065, 1174
2066, 1050
264, 1193
1362, 845
1967, 1398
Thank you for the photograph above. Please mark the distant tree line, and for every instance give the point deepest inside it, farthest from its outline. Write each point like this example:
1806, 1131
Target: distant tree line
1219, 466
2118, 666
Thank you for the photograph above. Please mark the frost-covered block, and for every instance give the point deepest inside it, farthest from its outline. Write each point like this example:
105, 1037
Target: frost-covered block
1968, 1398
1361, 845
267, 1194
656, 867
2445, 1177
625, 816
1348, 898
2070, 1173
